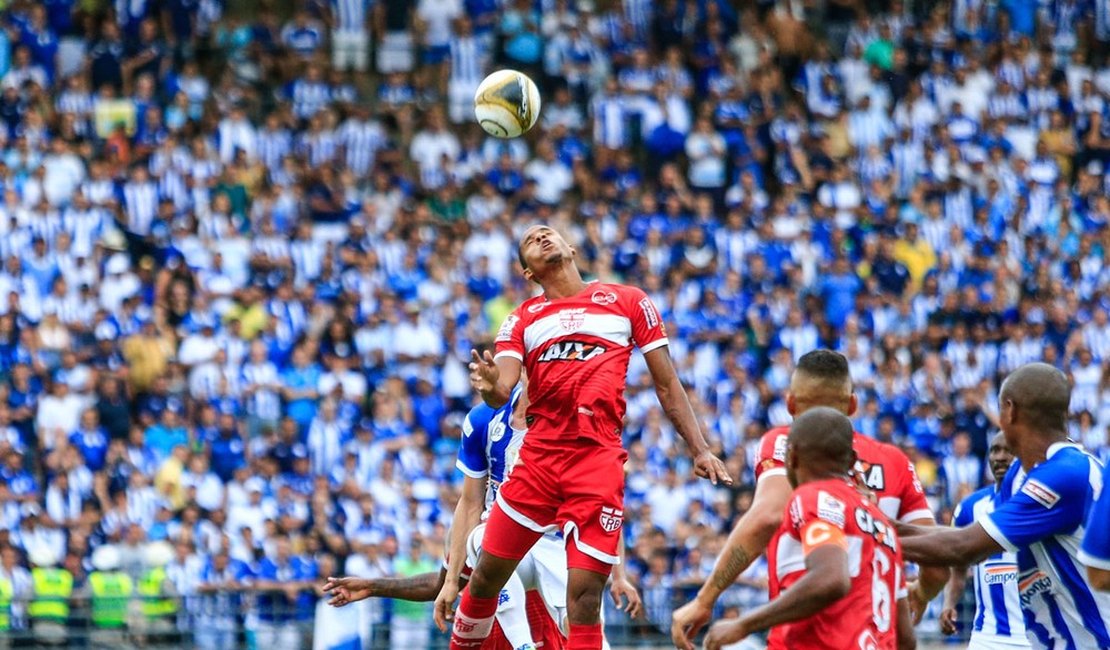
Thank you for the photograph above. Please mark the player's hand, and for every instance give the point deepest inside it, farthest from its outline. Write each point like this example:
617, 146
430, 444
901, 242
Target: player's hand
346, 590
622, 587
687, 621
707, 465
724, 633
948, 620
483, 372
445, 605
916, 600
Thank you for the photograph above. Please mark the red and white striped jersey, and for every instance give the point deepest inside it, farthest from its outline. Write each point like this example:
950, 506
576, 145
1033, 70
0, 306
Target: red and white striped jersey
576, 352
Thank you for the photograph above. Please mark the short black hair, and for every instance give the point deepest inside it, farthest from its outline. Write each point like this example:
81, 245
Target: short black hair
1042, 395
824, 364
520, 254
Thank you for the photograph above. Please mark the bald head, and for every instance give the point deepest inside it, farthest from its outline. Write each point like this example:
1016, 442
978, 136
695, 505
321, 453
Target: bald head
820, 444
821, 378
1038, 396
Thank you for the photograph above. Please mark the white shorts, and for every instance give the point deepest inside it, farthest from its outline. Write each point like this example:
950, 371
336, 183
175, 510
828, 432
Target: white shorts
992, 642
460, 100
395, 53
350, 50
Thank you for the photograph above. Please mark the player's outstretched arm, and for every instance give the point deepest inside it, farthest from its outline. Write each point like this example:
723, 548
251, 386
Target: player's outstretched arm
676, 405
493, 378
930, 580
468, 514
827, 579
950, 546
420, 588
746, 542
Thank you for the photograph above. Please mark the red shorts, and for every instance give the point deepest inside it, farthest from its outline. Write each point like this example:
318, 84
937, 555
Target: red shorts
545, 633
576, 487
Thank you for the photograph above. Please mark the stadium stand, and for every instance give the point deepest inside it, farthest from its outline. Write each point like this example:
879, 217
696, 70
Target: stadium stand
245, 255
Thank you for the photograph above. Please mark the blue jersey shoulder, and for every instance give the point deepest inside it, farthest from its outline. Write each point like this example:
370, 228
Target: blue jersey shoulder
965, 511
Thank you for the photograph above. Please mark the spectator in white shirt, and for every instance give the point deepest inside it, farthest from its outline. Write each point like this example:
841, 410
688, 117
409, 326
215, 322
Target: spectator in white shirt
706, 149
553, 178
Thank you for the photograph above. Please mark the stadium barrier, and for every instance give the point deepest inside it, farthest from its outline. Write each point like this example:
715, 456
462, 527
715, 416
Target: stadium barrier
265, 621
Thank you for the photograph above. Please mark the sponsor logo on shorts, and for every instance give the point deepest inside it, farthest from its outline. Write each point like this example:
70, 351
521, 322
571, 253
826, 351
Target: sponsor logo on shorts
463, 626
604, 297
1040, 493
611, 519
572, 320
506, 331
571, 351
650, 315
830, 508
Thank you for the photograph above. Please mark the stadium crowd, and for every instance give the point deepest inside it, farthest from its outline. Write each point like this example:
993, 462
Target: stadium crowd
245, 258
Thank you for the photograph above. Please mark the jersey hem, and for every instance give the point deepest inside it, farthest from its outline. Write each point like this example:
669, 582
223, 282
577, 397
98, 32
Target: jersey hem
917, 514
596, 554
1093, 561
997, 535
469, 472
774, 471
654, 345
521, 518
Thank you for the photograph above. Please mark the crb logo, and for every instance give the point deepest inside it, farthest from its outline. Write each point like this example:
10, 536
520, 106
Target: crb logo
879, 530
572, 319
871, 475
571, 351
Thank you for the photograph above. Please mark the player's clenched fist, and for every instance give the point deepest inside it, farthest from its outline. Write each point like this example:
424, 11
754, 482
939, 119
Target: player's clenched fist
687, 621
483, 372
707, 465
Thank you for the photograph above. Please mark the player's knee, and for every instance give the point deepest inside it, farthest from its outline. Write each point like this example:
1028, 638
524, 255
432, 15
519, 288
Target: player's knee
584, 602
490, 576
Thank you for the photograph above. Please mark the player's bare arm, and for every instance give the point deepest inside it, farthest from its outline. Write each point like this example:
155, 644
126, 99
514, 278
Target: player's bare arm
827, 580
953, 592
468, 514
948, 547
419, 588
747, 541
677, 408
494, 379
1100, 578
930, 581
624, 593
907, 639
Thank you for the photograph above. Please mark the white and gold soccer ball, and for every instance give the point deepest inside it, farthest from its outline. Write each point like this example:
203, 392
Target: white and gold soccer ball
507, 103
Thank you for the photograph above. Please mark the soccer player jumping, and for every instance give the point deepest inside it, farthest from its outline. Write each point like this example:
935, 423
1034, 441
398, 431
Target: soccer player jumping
575, 341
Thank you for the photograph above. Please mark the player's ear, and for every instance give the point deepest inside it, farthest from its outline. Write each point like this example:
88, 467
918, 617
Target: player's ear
528, 275
853, 404
791, 404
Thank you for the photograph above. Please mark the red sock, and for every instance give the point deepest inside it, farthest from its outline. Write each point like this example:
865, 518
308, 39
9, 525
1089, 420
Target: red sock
473, 621
584, 637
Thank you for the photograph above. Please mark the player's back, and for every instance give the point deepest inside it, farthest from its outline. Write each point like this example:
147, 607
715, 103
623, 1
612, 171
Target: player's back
576, 352
884, 468
835, 512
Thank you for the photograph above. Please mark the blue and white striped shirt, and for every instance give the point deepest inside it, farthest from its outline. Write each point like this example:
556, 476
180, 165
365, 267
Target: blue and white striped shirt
350, 15
1096, 545
998, 616
468, 59
1042, 517
141, 204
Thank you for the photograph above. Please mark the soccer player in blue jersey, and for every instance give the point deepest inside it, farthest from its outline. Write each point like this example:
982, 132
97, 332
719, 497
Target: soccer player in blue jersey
1041, 516
999, 623
1096, 545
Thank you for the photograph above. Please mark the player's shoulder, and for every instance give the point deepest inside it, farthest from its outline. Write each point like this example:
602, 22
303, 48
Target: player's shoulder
478, 418
772, 445
982, 494
1065, 473
832, 500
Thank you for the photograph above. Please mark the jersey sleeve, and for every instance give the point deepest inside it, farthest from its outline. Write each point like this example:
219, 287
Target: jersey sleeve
817, 518
913, 506
1050, 501
473, 459
648, 331
1095, 551
509, 341
772, 455
964, 514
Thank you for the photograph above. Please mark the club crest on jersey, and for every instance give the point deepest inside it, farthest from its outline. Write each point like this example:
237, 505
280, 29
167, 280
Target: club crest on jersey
572, 320
497, 432
611, 519
1040, 493
571, 351
871, 475
506, 331
604, 297
830, 508
650, 315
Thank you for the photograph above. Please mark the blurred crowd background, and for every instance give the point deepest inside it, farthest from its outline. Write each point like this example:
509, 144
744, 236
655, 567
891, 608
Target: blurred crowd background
246, 249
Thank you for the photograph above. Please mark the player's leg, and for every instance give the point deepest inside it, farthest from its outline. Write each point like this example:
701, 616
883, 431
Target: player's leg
584, 591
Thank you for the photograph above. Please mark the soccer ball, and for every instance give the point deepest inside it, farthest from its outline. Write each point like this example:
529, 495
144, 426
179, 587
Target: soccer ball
507, 103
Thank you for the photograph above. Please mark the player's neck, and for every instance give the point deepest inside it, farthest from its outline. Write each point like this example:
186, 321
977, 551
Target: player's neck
1033, 449
563, 282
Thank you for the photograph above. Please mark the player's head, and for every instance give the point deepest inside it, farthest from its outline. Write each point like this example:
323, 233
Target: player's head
542, 248
819, 446
821, 378
1000, 456
1034, 402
